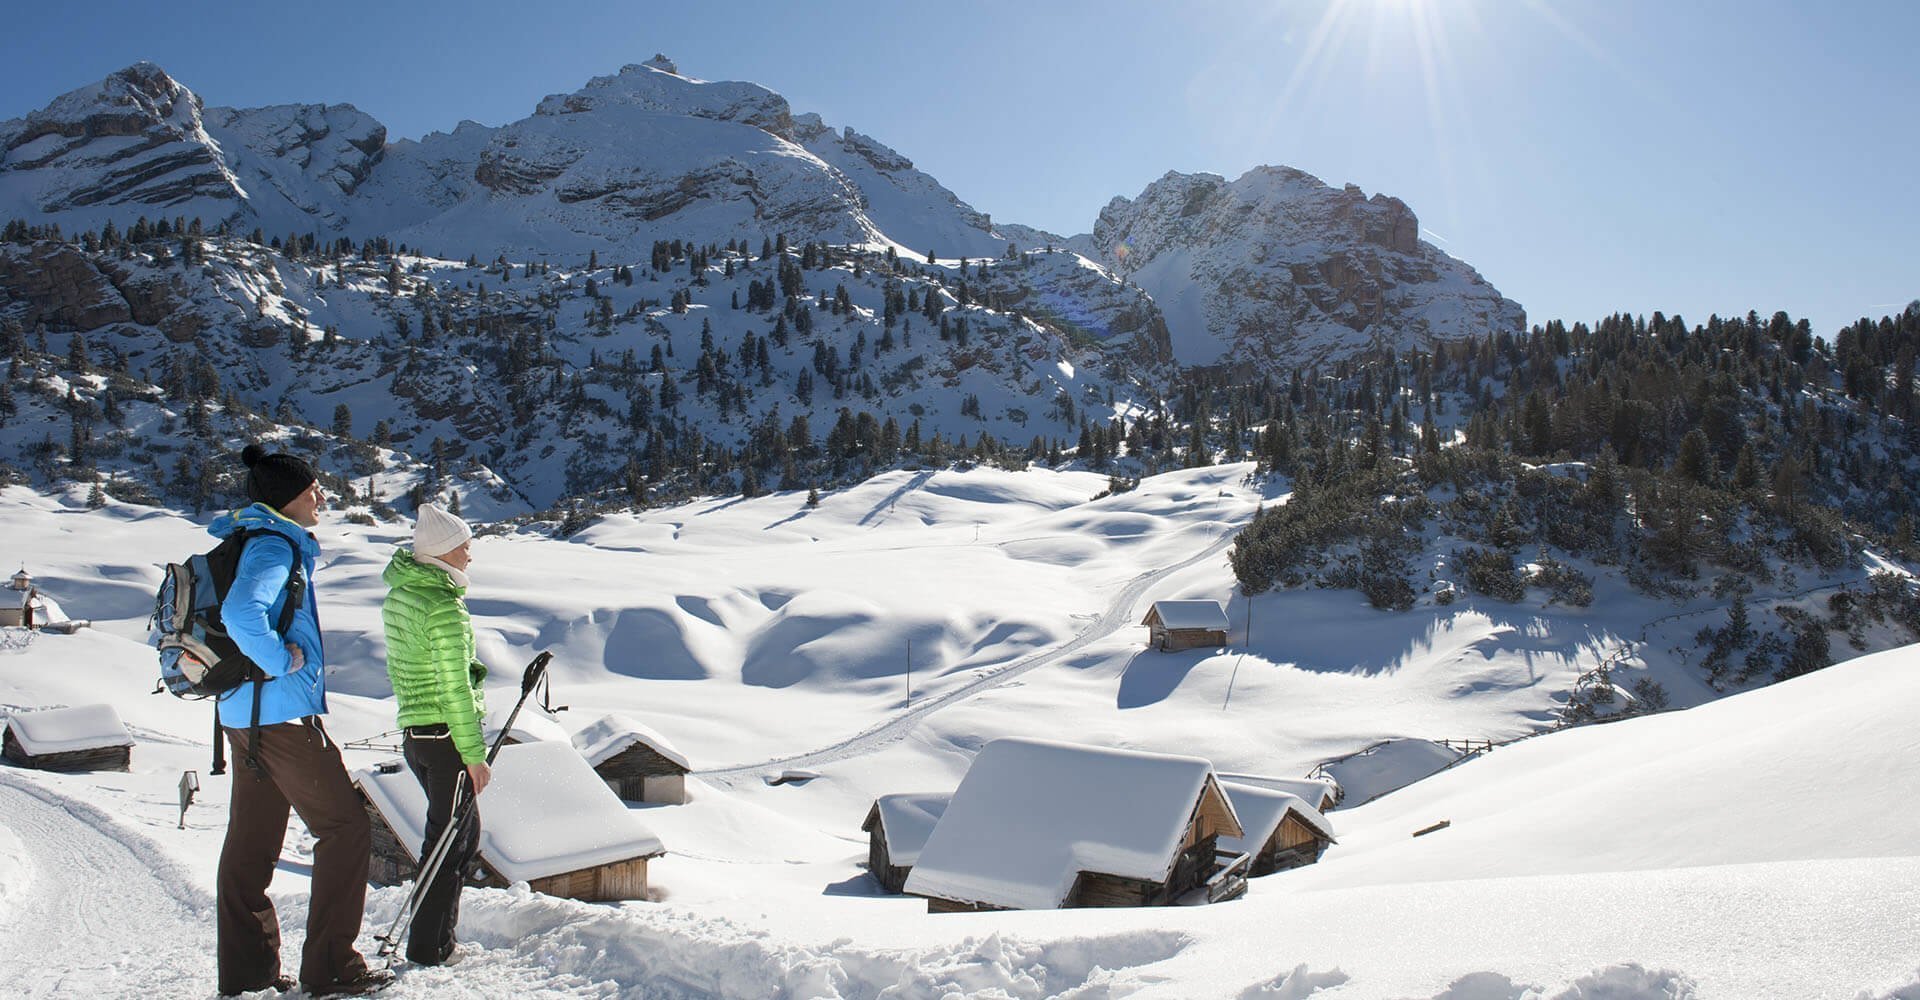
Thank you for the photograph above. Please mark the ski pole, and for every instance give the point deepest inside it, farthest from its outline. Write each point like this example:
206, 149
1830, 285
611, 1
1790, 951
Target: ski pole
464, 806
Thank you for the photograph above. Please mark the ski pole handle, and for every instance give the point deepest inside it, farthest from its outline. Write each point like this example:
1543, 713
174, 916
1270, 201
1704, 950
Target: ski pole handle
535, 670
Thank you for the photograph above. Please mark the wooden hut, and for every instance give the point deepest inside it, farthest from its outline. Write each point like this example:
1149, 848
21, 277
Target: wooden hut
546, 820
636, 762
897, 827
1177, 625
83, 738
1281, 830
1041, 825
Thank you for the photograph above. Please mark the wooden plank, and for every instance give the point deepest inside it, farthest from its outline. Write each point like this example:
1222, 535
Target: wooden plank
97, 759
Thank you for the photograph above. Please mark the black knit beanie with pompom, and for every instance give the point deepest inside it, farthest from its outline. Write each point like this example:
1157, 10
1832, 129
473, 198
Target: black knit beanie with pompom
277, 478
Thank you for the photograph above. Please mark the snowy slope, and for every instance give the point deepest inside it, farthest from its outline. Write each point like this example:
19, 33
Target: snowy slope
1750, 847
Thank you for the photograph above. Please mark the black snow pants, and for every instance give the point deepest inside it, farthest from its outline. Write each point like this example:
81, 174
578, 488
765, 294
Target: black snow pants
434, 761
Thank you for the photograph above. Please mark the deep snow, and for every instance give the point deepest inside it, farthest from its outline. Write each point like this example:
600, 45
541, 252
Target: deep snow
1757, 846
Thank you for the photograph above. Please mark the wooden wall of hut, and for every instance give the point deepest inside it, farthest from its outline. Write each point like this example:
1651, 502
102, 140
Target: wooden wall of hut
642, 774
98, 759
937, 905
1174, 640
606, 883
891, 877
1292, 845
392, 862
1190, 872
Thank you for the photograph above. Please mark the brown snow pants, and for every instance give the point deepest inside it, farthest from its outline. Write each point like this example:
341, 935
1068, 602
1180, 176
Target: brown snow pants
300, 768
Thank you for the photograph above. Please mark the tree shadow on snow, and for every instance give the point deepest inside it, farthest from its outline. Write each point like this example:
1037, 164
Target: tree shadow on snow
1337, 632
887, 502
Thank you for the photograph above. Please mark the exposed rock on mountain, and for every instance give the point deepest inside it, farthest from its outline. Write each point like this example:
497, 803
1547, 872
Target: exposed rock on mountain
1278, 269
134, 141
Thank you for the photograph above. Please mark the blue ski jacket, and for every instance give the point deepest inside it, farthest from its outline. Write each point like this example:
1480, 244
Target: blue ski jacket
251, 609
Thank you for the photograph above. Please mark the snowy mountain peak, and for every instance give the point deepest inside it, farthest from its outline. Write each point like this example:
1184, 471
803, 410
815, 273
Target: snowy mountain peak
655, 86
1279, 268
128, 102
662, 63
130, 143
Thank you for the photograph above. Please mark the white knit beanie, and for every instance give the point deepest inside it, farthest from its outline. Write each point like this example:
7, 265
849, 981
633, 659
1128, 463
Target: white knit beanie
436, 532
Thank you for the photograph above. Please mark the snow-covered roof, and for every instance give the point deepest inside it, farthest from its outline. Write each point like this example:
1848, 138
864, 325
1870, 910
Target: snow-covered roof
608, 735
1190, 614
65, 730
1262, 810
529, 727
907, 820
1030, 815
545, 813
1314, 790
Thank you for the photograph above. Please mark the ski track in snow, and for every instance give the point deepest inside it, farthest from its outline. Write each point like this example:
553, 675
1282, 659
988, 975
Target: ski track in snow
1119, 614
112, 909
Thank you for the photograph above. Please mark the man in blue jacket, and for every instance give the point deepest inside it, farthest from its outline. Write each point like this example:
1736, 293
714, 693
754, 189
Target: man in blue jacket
293, 764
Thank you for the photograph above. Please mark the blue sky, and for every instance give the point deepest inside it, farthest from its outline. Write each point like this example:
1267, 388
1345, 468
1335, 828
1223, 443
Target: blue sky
1689, 156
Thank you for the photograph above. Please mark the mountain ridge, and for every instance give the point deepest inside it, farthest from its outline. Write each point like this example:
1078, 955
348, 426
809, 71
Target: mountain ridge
646, 154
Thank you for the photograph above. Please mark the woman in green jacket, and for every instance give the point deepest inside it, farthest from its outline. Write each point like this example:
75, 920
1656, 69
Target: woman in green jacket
437, 683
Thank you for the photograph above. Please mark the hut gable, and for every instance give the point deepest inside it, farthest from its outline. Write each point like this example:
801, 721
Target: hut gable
1032, 819
546, 819
636, 762
1280, 829
897, 827
82, 738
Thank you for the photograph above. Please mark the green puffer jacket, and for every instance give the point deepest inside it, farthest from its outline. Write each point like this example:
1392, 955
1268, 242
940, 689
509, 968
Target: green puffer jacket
430, 655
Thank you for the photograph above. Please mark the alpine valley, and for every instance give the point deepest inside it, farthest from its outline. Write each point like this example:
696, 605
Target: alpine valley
1597, 636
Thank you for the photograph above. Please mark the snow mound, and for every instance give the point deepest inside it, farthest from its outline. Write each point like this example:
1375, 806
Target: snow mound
1387, 767
1752, 778
530, 727
1298, 984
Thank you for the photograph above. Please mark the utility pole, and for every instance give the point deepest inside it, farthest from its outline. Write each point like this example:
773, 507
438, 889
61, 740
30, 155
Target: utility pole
909, 671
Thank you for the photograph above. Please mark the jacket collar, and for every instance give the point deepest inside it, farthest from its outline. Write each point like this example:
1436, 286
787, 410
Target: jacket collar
258, 517
459, 576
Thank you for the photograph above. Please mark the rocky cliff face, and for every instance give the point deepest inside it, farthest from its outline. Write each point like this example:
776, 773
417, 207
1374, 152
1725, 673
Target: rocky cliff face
1277, 269
132, 142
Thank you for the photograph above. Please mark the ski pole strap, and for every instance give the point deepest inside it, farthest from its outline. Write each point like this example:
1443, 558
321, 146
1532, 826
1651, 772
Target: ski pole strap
253, 733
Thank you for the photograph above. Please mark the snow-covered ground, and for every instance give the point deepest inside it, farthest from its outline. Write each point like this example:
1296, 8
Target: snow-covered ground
1756, 846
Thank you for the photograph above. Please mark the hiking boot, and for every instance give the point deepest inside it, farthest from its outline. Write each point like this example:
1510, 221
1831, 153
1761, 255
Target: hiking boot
368, 982
450, 957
